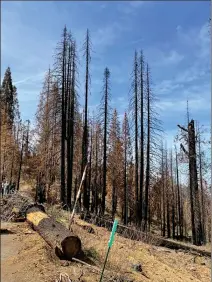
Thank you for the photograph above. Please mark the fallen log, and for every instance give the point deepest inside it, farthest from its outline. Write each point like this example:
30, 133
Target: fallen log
147, 237
58, 237
86, 226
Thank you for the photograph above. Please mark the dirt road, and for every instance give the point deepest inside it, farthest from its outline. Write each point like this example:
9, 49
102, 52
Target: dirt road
26, 257
10, 247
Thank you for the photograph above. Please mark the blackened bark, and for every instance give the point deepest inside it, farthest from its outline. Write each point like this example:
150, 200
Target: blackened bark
68, 138
163, 197
202, 193
141, 137
85, 127
106, 76
173, 199
125, 179
136, 135
96, 174
167, 200
90, 169
197, 230
63, 126
72, 118
178, 198
147, 155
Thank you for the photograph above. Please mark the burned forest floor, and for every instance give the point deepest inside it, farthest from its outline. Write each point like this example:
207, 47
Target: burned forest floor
25, 256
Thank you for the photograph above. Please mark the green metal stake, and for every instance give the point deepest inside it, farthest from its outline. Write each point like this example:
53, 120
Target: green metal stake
110, 243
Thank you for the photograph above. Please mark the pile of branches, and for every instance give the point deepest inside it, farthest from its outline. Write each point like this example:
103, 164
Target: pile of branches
13, 206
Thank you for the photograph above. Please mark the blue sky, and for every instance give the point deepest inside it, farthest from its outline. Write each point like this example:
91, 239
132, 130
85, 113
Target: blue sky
173, 35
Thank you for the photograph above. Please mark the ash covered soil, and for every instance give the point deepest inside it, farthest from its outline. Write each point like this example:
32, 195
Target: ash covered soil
25, 256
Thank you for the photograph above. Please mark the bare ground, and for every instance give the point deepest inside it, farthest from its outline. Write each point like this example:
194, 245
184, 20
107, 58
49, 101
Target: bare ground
26, 257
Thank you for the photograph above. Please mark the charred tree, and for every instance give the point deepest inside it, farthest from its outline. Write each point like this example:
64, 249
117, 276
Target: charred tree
106, 116
173, 196
193, 179
87, 47
167, 199
147, 182
178, 196
141, 134
202, 191
72, 119
69, 123
63, 118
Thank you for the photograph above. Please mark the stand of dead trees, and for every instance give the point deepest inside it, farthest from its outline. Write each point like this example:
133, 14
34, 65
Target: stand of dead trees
130, 174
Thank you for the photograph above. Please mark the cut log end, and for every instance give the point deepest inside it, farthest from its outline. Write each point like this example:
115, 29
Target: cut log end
71, 246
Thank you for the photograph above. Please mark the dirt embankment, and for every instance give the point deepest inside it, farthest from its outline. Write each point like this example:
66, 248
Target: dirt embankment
25, 256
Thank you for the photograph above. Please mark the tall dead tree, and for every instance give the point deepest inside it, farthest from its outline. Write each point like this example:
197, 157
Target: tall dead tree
163, 195
167, 196
141, 134
134, 111
63, 115
105, 109
69, 123
147, 182
203, 216
90, 184
73, 102
126, 140
87, 47
173, 196
194, 191
114, 163
178, 196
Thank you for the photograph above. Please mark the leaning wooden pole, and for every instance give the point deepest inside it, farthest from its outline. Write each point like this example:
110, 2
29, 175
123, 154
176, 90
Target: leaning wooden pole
58, 237
77, 198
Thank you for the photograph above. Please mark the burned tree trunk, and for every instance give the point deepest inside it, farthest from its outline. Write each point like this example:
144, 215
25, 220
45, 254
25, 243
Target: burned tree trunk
64, 242
178, 197
148, 155
194, 182
194, 191
202, 193
141, 135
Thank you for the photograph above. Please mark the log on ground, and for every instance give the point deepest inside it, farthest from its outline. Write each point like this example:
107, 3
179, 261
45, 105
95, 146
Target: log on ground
58, 237
86, 226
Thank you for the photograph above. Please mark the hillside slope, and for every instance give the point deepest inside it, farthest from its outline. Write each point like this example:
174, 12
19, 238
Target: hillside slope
34, 260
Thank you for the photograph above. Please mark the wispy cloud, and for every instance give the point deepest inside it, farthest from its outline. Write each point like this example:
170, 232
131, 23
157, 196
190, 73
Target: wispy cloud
107, 35
195, 104
162, 58
130, 7
33, 78
196, 37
